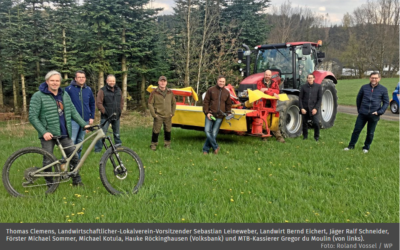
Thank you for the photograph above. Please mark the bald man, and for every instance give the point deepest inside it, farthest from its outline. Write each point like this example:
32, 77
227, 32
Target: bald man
272, 88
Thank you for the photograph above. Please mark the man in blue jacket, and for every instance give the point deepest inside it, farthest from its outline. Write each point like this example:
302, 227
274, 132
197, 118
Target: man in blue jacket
372, 102
83, 100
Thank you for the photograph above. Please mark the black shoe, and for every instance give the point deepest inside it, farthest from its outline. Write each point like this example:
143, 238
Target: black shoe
78, 184
305, 138
316, 139
118, 145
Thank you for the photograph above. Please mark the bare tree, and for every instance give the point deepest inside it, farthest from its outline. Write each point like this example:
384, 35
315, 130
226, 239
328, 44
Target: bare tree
296, 23
376, 30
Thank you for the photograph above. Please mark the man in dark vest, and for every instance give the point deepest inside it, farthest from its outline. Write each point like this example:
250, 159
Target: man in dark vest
109, 101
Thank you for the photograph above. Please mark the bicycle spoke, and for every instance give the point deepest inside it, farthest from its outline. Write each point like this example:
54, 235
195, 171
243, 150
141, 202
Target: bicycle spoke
18, 173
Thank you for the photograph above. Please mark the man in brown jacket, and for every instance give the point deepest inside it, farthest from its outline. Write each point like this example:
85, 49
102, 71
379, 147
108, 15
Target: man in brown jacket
162, 105
216, 104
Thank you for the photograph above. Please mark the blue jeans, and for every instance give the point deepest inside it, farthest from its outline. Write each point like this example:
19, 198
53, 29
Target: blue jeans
211, 128
78, 134
115, 128
372, 121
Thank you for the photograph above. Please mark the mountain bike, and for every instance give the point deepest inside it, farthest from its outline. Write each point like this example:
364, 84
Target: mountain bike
121, 169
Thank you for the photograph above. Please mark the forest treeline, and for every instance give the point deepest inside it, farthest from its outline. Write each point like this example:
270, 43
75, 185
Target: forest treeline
192, 46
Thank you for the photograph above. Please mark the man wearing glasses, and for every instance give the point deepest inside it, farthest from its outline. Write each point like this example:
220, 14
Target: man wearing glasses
372, 102
83, 100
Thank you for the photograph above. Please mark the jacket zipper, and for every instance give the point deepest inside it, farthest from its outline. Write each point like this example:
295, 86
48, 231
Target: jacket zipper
65, 117
370, 100
219, 101
81, 96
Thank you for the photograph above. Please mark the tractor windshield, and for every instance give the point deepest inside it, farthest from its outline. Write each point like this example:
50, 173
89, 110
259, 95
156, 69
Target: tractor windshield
280, 59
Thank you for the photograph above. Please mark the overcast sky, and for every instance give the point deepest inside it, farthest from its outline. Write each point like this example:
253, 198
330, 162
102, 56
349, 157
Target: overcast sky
335, 8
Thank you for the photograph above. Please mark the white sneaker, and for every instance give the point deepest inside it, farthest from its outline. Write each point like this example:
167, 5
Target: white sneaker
365, 151
346, 149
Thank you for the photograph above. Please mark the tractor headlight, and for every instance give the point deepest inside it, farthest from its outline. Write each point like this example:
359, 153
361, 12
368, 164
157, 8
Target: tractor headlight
243, 93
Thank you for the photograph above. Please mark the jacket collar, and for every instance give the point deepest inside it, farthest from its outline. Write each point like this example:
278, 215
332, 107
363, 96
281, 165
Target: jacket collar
160, 91
44, 88
113, 88
370, 84
73, 83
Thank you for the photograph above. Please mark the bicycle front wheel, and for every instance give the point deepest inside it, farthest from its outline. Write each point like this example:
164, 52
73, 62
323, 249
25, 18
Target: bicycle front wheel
18, 173
124, 175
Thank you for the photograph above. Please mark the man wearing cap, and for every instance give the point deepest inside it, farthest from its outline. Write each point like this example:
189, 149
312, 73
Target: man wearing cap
162, 105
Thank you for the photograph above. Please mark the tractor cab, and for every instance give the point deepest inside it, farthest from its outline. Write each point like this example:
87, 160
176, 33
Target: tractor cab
290, 64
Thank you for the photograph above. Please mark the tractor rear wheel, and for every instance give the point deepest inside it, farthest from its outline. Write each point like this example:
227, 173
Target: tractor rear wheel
328, 110
290, 118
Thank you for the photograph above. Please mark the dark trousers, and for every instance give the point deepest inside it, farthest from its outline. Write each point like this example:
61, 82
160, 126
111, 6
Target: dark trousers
66, 142
157, 124
115, 128
372, 121
314, 119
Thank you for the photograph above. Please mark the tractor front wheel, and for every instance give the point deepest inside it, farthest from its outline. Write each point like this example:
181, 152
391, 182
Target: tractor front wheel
290, 118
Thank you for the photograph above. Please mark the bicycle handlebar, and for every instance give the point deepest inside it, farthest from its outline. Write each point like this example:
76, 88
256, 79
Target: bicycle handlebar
95, 127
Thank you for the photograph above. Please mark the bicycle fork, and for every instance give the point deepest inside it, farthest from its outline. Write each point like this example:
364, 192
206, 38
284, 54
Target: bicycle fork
119, 169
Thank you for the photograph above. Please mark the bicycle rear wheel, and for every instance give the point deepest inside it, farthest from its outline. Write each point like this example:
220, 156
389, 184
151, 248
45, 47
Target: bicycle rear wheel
18, 170
122, 177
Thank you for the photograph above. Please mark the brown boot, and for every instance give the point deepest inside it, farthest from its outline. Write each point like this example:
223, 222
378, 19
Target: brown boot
279, 136
153, 146
167, 144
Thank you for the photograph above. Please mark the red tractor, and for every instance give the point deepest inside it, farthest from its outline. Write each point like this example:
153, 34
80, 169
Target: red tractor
290, 64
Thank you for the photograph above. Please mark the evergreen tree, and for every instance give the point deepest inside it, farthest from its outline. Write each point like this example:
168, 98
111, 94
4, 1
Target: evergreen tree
250, 19
63, 26
5, 9
96, 40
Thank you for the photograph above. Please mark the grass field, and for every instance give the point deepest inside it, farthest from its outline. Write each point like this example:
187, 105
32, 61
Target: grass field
249, 181
348, 89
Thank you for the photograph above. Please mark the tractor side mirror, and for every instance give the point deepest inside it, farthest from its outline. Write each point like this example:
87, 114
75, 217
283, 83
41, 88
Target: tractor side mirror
320, 55
306, 49
240, 54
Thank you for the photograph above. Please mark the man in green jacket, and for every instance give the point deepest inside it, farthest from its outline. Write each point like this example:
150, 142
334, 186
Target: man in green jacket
50, 113
162, 105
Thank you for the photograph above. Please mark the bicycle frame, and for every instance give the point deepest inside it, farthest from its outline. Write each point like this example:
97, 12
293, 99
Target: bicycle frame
99, 134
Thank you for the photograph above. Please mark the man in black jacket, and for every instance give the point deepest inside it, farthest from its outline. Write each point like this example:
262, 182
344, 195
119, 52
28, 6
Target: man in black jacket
310, 102
372, 102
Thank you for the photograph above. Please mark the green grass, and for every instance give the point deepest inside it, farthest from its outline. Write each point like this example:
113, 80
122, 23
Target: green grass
249, 181
348, 89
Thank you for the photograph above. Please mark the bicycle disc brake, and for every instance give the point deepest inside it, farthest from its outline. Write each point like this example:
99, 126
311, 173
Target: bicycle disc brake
120, 172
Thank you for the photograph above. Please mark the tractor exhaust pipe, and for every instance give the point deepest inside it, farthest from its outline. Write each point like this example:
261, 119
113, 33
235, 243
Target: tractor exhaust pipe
247, 54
